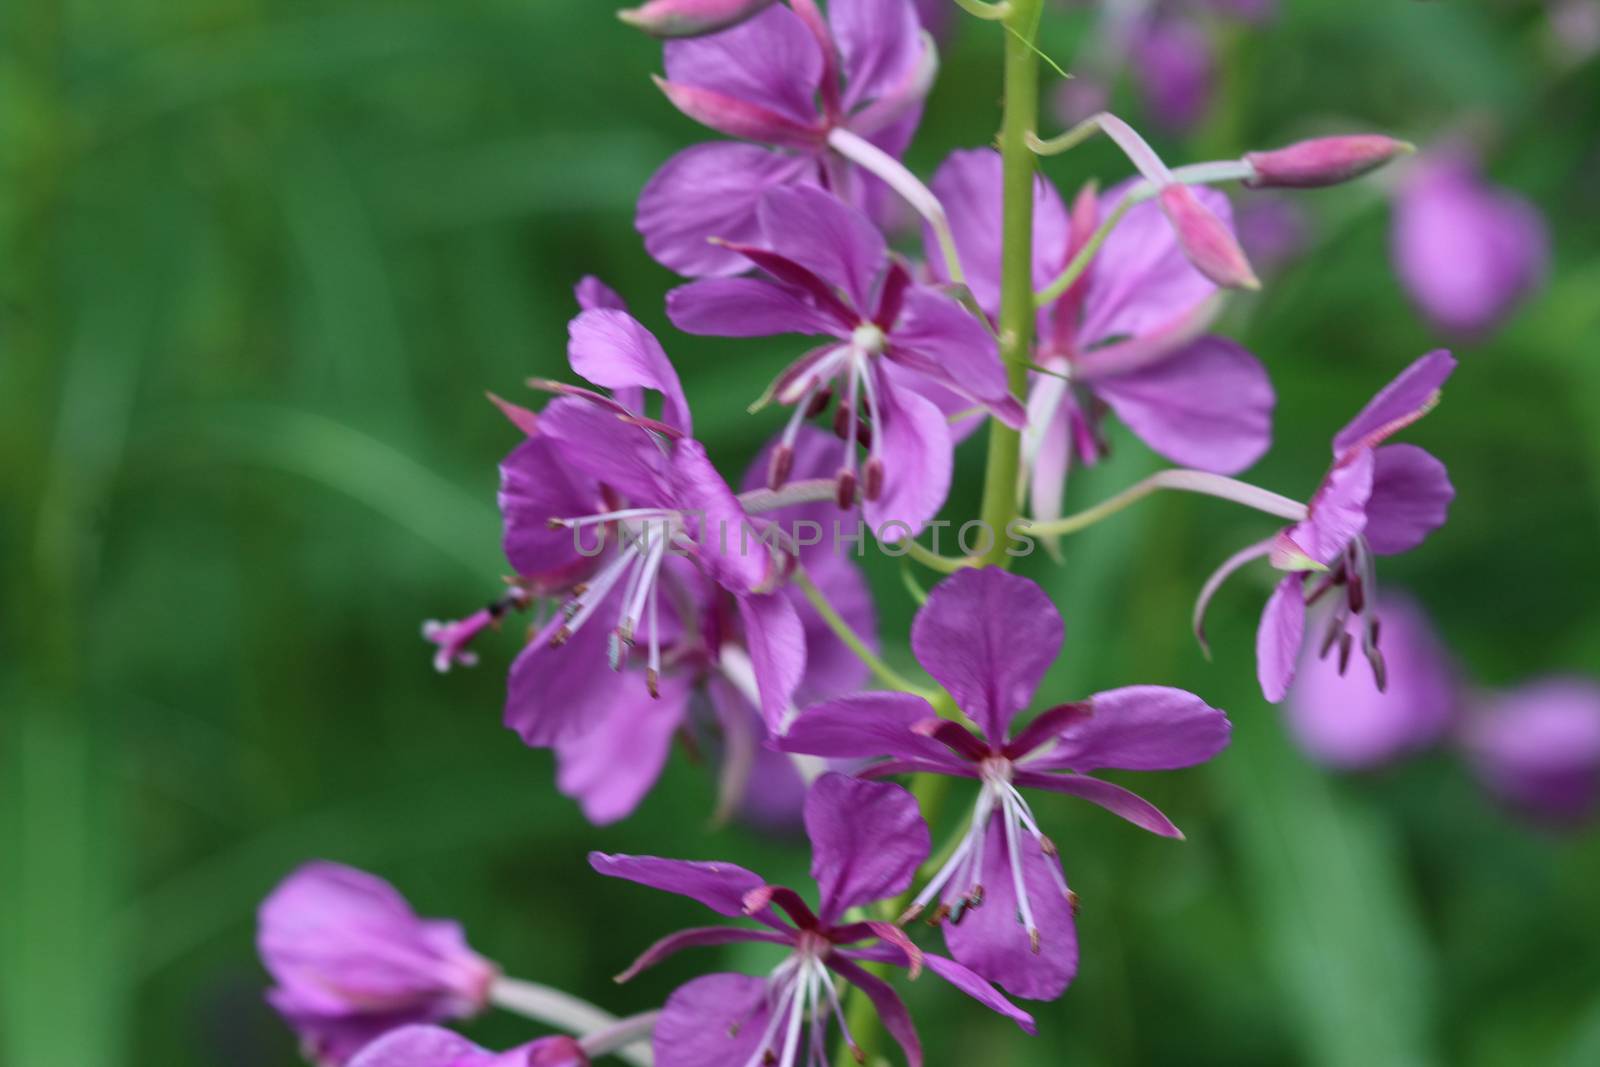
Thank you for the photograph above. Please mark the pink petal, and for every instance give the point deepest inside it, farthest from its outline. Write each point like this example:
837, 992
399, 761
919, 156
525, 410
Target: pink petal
719, 886
536, 485
867, 841
987, 637
615, 760
1411, 495
966, 980
743, 307
712, 1021
1138, 728
1283, 624
880, 42
866, 726
828, 237
918, 457
771, 61
1115, 799
613, 349
776, 642
1399, 403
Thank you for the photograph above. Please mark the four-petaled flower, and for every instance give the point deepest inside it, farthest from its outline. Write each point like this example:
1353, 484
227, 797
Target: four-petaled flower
1376, 500
785, 78
988, 637
432, 1046
867, 841
896, 350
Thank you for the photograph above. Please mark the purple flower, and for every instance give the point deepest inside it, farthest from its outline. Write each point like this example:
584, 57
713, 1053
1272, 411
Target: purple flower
1341, 719
1376, 500
352, 961
785, 78
988, 637
867, 840
431, 1046
891, 345
613, 506
734, 657
1126, 338
1538, 748
1466, 251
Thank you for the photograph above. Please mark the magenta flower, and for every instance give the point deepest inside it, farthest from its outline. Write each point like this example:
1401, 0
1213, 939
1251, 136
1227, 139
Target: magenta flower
712, 657
1466, 251
601, 488
1171, 60
1341, 719
431, 1046
988, 637
1538, 749
867, 840
352, 961
893, 345
787, 79
1125, 338
1376, 500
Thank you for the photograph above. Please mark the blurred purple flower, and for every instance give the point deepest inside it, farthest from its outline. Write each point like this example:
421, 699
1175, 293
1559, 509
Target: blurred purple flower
431, 1046
785, 78
893, 343
1467, 252
1538, 748
1376, 500
867, 840
1274, 230
988, 637
352, 961
1341, 719
1172, 63
1127, 337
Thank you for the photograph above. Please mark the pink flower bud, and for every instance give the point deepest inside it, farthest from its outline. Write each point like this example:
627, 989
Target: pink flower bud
1323, 160
690, 18
1206, 239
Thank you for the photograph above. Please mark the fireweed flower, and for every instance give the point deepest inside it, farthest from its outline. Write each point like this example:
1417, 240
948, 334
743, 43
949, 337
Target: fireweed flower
1376, 500
1127, 336
1466, 251
709, 663
431, 1046
1341, 719
351, 961
894, 346
1537, 748
988, 637
637, 494
867, 840
790, 80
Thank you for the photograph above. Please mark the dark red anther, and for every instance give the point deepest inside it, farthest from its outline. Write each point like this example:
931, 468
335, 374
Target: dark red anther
1345, 644
846, 494
872, 486
1356, 597
842, 418
780, 467
819, 402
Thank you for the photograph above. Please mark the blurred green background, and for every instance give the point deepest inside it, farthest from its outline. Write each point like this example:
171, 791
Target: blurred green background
265, 257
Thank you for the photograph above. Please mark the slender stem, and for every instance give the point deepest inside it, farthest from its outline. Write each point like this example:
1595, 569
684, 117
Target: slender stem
846, 633
931, 559
1016, 274
894, 173
562, 1011
992, 12
1189, 481
1080, 262
620, 1035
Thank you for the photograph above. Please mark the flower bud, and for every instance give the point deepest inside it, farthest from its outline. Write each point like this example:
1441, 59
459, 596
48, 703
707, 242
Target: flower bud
1323, 161
1206, 239
352, 961
690, 18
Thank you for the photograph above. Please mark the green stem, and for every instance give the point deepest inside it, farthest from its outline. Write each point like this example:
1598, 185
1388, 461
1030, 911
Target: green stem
991, 12
854, 641
1080, 262
1016, 274
1188, 481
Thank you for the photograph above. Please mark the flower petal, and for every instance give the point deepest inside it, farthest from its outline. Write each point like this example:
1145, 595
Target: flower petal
1413, 392
1411, 495
421, 1046
828, 237
557, 693
992, 940
1115, 799
698, 937
594, 440
711, 190
719, 886
729, 548
918, 457
988, 637
939, 338
743, 307
865, 726
714, 1021
771, 61
593, 293
1138, 728
1208, 405
880, 42
1337, 512
777, 645
537, 485
613, 349
867, 841
610, 766
1283, 624
969, 982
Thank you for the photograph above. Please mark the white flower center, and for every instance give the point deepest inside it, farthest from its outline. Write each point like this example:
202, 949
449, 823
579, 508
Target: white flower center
869, 338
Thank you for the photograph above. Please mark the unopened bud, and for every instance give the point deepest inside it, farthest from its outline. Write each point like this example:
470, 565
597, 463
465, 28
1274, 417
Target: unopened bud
690, 18
1206, 239
1323, 161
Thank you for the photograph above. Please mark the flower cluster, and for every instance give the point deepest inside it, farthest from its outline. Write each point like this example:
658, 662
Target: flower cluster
665, 602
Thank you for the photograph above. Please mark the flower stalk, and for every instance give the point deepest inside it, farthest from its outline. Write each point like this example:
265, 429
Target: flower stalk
565, 1012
